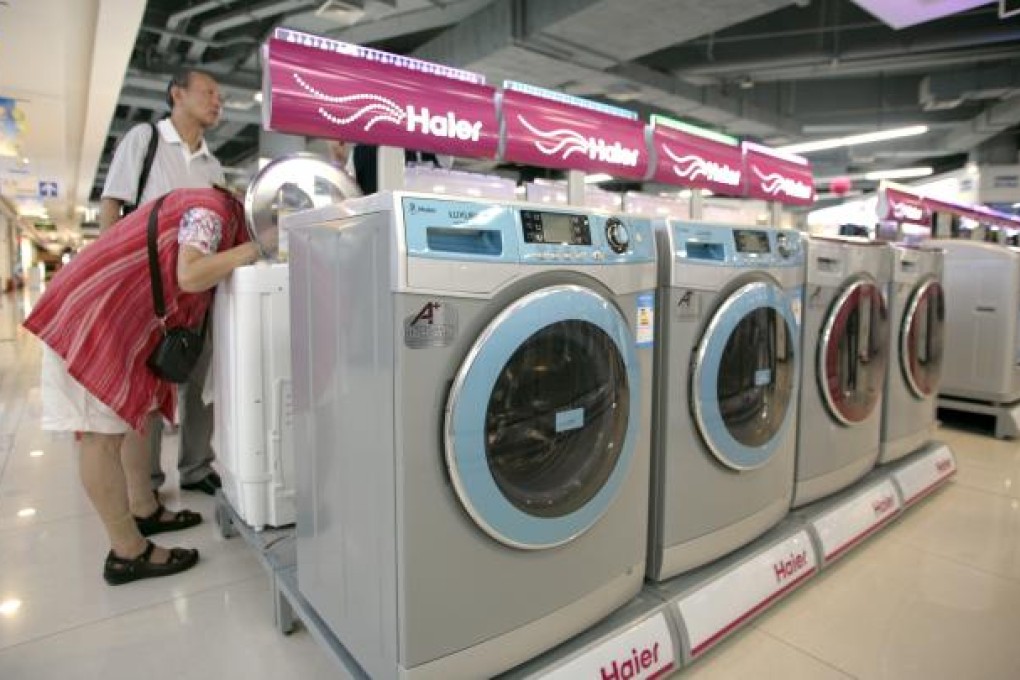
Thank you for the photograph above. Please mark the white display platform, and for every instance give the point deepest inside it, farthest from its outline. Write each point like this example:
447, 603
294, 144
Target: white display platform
841, 522
253, 436
706, 606
922, 472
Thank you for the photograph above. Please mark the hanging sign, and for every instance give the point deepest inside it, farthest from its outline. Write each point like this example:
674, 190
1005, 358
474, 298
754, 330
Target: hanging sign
902, 206
775, 176
326, 88
552, 130
692, 157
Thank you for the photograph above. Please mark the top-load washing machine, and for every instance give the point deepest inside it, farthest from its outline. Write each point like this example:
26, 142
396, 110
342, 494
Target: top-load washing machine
727, 353
472, 385
846, 350
982, 290
916, 317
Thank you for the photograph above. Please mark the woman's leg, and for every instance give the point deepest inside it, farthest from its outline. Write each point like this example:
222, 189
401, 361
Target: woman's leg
134, 457
102, 475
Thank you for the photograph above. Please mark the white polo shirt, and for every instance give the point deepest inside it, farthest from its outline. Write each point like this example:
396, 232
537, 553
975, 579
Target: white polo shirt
173, 167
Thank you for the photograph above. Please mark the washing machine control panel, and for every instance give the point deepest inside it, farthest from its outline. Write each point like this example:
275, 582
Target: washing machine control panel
732, 245
555, 227
452, 229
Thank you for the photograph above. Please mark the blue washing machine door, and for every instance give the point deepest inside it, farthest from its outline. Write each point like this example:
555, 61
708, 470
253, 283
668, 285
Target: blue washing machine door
744, 382
540, 424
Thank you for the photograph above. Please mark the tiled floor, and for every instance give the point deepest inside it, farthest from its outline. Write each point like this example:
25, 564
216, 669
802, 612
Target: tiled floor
936, 595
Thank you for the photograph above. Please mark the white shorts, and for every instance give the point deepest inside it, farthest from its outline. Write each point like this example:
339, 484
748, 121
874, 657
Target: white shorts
69, 407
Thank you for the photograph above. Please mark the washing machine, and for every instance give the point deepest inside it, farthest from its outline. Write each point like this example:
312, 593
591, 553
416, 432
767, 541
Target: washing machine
472, 386
727, 372
845, 336
982, 291
917, 318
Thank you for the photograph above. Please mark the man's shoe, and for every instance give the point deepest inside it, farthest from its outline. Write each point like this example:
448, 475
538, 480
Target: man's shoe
207, 484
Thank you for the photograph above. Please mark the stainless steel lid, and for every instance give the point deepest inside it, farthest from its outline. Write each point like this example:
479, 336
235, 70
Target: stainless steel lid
288, 184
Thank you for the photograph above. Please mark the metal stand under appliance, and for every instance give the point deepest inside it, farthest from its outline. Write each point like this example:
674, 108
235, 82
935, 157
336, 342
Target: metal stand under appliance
1007, 416
276, 551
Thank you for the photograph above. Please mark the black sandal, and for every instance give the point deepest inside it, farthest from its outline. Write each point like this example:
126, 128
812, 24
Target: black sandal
155, 524
119, 570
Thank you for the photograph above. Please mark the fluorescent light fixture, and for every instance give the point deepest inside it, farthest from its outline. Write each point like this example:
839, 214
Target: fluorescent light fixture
597, 177
257, 97
36, 453
851, 140
26, 512
902, 173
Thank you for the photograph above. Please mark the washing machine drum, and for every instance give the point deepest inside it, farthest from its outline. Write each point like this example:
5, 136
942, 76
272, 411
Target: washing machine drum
853, 352
541, 419
921, 335
744, 382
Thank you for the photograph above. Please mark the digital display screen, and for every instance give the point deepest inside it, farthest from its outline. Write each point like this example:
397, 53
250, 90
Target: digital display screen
556, 228
751, 241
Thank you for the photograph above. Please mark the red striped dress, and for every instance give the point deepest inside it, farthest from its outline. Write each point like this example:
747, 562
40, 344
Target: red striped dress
97, 312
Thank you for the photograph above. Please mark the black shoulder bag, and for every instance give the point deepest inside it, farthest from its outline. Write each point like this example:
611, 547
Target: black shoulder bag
178, 351
143, 179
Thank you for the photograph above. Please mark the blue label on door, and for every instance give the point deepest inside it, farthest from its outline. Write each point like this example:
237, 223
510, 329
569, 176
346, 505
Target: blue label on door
762, 377
569, 420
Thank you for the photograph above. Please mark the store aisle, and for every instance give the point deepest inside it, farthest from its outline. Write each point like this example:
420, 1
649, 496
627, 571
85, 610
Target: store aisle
937, 595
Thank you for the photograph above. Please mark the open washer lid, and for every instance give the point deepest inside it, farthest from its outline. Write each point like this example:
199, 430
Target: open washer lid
287, 184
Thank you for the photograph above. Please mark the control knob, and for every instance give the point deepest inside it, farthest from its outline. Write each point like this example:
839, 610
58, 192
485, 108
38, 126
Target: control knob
617, 235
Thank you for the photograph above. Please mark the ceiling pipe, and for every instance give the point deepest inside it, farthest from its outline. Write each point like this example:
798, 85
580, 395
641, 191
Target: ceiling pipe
241, 17
175, 20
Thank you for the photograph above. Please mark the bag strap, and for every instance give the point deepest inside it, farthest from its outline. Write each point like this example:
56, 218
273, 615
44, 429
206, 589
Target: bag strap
150, 155
155, 276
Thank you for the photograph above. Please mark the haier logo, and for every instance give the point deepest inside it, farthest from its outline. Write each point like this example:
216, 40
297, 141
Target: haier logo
568, 142
883, 505
374, 108
776, 183
907, 211
790, 567
692, 166
634, 666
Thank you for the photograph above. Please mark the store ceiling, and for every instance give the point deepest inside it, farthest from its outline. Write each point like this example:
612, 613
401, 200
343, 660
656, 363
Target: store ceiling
778, 71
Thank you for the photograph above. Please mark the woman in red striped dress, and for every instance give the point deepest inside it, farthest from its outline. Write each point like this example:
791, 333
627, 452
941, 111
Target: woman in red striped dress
98, 326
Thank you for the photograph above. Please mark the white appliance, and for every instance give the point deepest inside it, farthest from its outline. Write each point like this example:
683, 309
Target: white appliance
917, 319
845, 343
982, 338
472, 393
253, 433
727, 373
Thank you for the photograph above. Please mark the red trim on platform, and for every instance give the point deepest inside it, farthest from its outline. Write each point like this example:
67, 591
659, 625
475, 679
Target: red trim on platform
860, 537
928, 489
728, 628
661, 673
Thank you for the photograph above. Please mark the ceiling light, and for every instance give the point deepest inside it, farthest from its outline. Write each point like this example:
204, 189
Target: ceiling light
902, 173
36, 453
26, 512
851, 140
597, 177
25, 160
257, 97
9, 607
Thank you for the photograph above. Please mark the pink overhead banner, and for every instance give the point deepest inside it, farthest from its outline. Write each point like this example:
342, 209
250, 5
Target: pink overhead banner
775, 176
690, 157
902, 206
326, 88
552, 130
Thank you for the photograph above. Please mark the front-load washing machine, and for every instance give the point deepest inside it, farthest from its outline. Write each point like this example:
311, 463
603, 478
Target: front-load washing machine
846, 350
982, 330
727, 353
472, 385
916, 316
